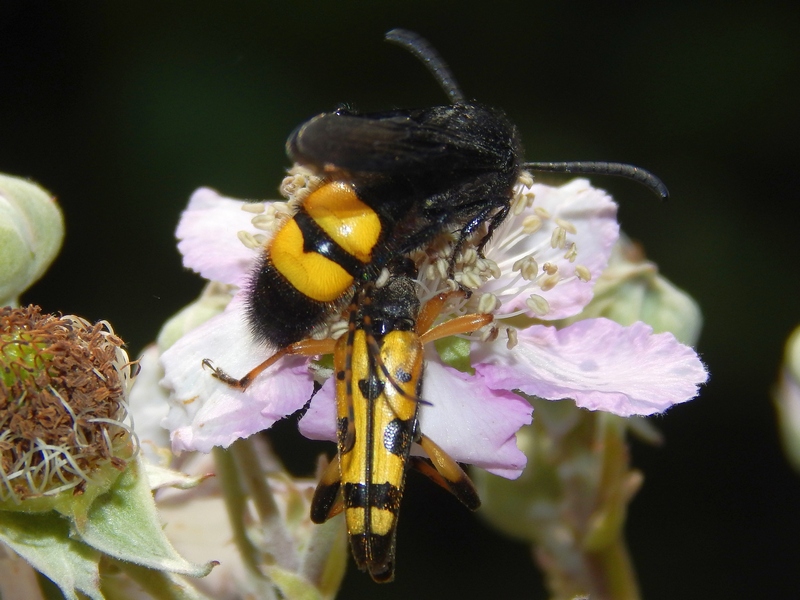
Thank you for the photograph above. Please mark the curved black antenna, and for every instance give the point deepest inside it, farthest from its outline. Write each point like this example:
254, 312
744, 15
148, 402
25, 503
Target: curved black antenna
422, 49
637, 174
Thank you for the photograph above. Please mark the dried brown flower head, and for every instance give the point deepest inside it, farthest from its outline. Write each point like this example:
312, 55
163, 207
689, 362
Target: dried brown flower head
63, 405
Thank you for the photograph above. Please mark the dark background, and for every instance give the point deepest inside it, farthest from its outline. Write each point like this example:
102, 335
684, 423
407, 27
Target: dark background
122, 109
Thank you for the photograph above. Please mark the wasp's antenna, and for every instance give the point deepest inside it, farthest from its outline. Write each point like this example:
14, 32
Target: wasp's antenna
422, 49
646, 178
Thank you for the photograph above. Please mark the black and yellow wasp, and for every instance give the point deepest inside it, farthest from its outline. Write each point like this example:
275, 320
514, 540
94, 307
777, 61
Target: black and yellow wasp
392, 182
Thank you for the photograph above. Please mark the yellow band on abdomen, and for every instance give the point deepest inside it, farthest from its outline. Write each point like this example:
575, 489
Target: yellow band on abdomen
310, 273
349, 222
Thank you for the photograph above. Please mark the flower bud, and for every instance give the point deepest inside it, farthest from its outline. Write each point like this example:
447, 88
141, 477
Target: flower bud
787, 399
212, 301
631, 289
31, 232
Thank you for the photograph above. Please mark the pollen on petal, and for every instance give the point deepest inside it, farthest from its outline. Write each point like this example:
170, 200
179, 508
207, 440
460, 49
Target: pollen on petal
599, 364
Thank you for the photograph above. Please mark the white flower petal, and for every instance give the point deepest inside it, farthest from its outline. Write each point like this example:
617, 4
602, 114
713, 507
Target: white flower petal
472, 423
584, 216
148, 405
598, 363
204, 412
208, 240
319, 421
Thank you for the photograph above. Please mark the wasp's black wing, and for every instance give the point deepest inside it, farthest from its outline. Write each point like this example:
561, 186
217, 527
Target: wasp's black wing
441, 139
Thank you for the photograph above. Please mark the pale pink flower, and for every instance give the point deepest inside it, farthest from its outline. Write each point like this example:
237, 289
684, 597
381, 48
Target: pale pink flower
540, 265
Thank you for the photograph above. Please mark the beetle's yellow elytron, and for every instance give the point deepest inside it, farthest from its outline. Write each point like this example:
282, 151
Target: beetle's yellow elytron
378, 366
378, 370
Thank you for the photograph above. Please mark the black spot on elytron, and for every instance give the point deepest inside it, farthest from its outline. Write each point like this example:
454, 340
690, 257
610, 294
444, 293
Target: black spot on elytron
397, 437
370, 388
340, 375
355, 495
402, 376
384, 496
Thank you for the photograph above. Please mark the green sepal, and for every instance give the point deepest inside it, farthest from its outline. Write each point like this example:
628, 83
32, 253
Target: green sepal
160, 477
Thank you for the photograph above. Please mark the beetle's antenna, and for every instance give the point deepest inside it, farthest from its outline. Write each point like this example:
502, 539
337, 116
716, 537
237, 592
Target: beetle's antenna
422, 49
646, 178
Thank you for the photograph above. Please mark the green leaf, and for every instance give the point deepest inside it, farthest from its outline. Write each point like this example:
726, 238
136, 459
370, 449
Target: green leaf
124, 524
43, 540
158, 584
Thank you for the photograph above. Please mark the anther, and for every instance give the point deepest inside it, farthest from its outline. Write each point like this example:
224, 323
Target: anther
549, 282
549, 268
583, 273
525, 179
255, 208
248, 239
558, 238
513, 340
531, 224
527, 266
488, 303
538, 304
567, 225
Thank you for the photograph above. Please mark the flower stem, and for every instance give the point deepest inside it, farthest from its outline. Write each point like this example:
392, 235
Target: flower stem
612, 573
236, 503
